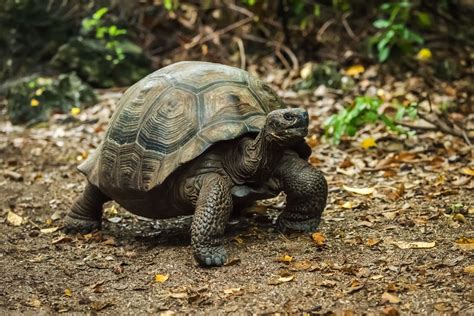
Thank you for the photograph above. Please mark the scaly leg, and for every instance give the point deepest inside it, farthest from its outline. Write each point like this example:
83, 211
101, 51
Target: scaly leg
86, 212
306, 190
213, 208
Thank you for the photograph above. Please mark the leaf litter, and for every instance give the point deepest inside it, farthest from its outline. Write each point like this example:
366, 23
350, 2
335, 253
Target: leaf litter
400, 211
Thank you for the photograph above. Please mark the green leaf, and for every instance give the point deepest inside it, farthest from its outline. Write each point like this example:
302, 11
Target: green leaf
381, 24
424, 19
100, 13
385, 39
384, 53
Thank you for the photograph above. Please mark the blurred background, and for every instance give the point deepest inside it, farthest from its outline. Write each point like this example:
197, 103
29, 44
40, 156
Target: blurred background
55, 52
389, 89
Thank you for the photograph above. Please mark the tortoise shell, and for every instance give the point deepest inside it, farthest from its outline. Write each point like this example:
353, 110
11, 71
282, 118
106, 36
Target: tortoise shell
172, 116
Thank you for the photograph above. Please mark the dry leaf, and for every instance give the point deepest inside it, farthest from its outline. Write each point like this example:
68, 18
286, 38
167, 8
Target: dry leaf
387, 297
109, 241
465, 243
35, 303
49, 230
302, 265
68, 292
372, 242
415, 244
468, 171
160, 278
328, 283
390, 311
14, 219
285, 259
61, 239
469, 269
318, 239
368, 142
363, 191
235, 290
287, 278
179, 295
424, 54
354, 70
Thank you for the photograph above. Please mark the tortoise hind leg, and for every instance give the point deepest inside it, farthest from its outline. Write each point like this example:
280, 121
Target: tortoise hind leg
86, 212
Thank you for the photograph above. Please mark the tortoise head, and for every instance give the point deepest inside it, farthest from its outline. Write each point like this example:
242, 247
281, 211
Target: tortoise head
286, 126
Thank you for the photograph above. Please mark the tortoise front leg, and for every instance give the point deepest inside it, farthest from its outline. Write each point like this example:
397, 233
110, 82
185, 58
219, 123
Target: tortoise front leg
306, 193
213, 208
86, 212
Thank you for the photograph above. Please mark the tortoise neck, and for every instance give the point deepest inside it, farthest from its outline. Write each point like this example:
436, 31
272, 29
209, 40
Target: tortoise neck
254, 160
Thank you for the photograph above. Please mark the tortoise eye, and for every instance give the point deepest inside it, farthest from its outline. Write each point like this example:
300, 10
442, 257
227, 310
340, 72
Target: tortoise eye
288, 116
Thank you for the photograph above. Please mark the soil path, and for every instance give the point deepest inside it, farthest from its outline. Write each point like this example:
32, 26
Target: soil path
403, 245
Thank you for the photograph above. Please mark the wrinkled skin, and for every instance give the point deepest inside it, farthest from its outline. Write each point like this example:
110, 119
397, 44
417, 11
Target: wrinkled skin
205, 186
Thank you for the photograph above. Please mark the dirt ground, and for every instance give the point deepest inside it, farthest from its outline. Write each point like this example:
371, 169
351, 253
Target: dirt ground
396, 237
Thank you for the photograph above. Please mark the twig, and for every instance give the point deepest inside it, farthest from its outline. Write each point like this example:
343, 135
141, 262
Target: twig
236, 8
443, 126
278, 47
201, 40
323, 29
241, 46
347, 26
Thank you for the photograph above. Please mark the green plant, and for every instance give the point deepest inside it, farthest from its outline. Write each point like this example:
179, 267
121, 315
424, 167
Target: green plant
394, 32
365, 110
101, 54
32, 99
110, 35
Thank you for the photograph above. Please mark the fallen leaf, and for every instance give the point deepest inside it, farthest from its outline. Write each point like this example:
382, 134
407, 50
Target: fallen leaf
363, 191
354, 70
393, 299
14, 219
35, 303
238, 240
75, 111
390, 215
318, 239
302, 265
68, 292
372, 242
234, 290
34, 102
61, 239
49, 230
99, 305
355, 286
468, 171
109, 241
13, 175
306, 71
424, 54
469, 269
390, 311
368, 142
286, 259
160, 278
179, 295
415, 244
328, 283
286, 278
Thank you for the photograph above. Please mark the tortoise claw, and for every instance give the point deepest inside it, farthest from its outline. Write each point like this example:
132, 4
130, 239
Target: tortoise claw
74, 225
211, 256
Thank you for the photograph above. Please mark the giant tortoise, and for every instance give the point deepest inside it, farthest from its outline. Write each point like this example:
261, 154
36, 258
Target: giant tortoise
201, 138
